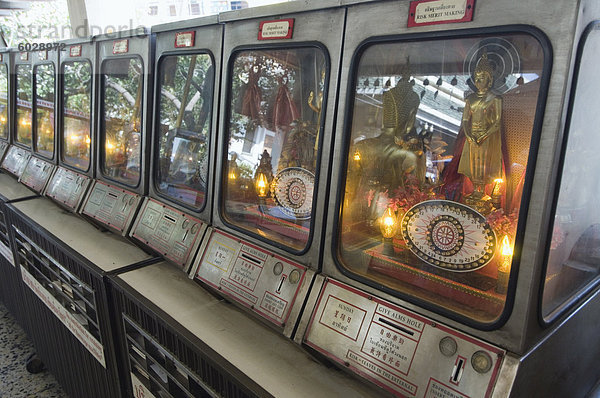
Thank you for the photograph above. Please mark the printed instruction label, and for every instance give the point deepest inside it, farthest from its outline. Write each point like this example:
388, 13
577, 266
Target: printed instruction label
429, 12
280, 29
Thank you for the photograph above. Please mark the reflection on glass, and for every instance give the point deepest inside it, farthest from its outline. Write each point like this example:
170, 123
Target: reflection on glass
122, 93
275, 114
24, 101
77, 109
44, 109
3, 101
439, 145
186, 87
574, 259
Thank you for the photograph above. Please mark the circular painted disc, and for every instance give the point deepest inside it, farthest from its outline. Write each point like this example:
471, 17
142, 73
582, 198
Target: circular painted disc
293, 189
449, 235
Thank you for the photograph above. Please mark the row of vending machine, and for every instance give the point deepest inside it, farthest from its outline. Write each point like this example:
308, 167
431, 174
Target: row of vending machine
316, 198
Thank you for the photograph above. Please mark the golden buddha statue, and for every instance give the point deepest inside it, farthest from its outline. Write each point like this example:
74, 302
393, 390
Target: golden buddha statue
383, 162
481, 158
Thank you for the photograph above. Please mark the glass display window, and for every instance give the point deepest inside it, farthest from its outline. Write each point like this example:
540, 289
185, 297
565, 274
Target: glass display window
184, 125
3, 101
438, 144
121, 135
275, 102
24, 103
573, 262
76, 114
44, 109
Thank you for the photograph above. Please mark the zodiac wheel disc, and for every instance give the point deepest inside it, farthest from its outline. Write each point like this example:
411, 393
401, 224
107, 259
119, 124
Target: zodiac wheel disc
449, 235
292, 190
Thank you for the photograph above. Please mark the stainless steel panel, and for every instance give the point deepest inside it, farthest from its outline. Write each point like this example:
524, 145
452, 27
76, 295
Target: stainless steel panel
276, 10
37, 173
112, 206
310, 28
257, 279
104, 250
173, 234
77, 50
134, 43
392, 18
399, 350
68, 188
273, 362
44, 58
186, 24
208, 39
16, 160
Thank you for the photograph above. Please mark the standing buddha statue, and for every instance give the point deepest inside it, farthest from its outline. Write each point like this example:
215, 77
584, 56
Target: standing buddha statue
481, 158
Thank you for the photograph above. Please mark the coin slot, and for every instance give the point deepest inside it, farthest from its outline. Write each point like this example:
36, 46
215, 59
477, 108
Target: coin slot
458, 370
170, 218
113, 195
283, 277
252, 260
397, 327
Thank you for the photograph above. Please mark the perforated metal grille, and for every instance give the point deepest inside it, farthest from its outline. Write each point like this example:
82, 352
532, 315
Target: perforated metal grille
166, 361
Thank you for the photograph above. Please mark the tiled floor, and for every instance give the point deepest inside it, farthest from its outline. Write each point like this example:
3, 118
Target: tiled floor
15, 348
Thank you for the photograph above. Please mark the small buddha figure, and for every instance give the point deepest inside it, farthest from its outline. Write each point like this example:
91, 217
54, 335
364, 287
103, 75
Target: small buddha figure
481, 158
387, 159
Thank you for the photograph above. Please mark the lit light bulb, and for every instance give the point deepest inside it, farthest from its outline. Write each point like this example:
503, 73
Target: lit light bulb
357, 156
87, 140
261, 185
388, 224
506, 250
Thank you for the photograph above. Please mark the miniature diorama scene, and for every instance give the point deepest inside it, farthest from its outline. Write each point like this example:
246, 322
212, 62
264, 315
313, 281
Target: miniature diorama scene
186, 85
275, 105
574, 249
3, 101
76, 114
122, 92
44, 109
440, 139
24, 102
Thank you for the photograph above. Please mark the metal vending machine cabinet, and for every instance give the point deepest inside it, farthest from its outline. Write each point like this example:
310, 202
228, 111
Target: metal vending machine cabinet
5, 111
277, 115
458, 261
125, 66
41, 165
69, 183
173, 219
18, 154
10, 191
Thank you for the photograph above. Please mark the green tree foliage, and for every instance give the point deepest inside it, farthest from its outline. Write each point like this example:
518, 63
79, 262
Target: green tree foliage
45, 21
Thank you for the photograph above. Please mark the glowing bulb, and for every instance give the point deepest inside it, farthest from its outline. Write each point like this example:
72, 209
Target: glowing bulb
109, 146
2, 119
232, 175
357, 156
388, 224
506, 247
497, 185
504, 268
74, 138
87, 140
261, 185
